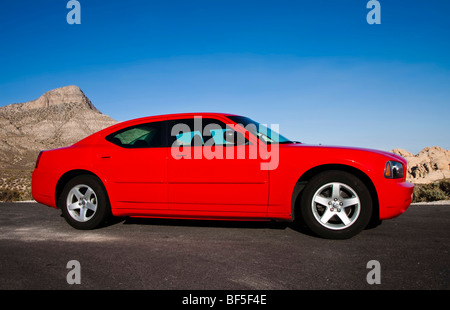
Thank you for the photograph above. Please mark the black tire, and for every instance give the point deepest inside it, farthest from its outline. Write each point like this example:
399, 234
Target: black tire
336, 205
84, 203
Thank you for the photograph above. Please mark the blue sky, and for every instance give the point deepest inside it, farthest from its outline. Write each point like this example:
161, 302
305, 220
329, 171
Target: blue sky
316, 68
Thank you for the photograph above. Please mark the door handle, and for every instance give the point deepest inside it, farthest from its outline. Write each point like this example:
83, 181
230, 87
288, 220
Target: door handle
105, 156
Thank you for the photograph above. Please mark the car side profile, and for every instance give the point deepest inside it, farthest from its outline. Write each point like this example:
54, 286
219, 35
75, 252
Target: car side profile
219, 166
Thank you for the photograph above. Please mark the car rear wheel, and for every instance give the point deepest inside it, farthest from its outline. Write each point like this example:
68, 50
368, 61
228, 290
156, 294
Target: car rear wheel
84, 202
336, 205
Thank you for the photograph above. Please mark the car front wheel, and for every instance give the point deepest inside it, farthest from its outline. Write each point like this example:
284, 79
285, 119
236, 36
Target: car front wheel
336, 205
84, 202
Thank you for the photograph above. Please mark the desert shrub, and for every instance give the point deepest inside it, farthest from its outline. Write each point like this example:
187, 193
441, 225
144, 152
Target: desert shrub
444, 185
7, 195
432, 192
26, 195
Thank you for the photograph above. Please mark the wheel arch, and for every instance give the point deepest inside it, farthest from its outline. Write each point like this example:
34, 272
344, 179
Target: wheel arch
66, 177
305, 177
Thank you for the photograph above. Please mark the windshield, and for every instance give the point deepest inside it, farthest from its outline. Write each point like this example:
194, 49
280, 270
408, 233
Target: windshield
263, 132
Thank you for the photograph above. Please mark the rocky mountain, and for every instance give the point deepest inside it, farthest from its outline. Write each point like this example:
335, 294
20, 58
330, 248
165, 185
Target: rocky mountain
58, 118
429, 165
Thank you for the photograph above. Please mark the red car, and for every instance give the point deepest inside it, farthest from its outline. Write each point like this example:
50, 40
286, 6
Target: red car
219, 166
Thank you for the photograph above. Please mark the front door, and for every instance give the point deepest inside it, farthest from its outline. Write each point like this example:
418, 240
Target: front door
208, 173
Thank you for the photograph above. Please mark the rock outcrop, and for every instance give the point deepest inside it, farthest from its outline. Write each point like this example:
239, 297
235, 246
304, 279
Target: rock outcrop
58, 118
56, 97
429, 165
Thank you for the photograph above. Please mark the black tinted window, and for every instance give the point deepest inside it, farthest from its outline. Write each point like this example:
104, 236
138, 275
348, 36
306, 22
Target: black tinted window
140, 136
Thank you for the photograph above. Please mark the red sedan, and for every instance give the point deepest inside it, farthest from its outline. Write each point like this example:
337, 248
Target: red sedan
219, 166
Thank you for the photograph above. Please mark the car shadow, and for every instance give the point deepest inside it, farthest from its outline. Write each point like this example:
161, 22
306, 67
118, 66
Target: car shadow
205, 223
275, 225
269, 224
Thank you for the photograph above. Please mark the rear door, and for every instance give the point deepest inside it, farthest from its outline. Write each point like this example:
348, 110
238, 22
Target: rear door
135, 165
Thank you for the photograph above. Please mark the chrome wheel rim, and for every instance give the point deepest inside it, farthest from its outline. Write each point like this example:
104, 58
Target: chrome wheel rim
336, 206
81, 203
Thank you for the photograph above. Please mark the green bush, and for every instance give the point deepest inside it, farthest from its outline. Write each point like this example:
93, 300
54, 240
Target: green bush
432, 192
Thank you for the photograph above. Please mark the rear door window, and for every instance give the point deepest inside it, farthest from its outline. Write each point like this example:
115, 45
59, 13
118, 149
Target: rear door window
140, 136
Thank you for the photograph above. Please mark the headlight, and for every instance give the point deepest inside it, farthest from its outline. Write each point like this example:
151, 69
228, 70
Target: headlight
393, 170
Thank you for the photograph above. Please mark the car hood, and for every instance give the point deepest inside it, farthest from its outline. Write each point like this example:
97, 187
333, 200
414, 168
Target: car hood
389, 155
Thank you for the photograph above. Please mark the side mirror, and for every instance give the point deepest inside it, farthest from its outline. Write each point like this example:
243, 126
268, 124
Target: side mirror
234, 137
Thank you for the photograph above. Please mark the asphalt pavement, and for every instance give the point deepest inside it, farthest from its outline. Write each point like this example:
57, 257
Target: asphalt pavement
40, 251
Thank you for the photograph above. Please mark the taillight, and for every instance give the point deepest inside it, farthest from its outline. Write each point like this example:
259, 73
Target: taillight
38, 159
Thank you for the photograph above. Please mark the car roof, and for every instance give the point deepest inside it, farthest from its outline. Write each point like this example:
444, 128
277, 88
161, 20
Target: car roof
177, 115
194, 114
137, 121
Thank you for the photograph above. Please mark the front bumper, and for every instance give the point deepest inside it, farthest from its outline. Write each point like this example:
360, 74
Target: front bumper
395, 198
